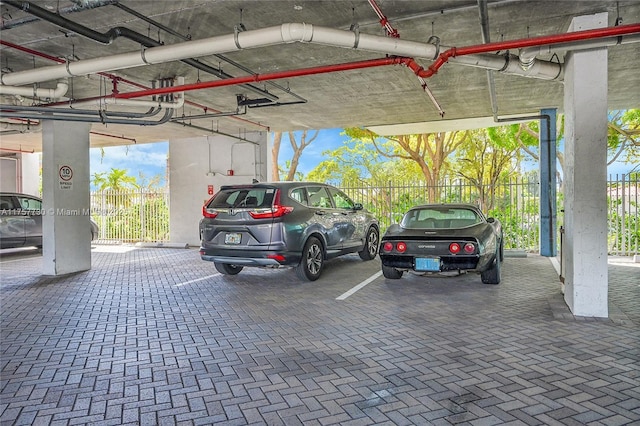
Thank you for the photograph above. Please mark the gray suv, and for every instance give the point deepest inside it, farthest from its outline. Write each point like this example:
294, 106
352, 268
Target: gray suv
298, 224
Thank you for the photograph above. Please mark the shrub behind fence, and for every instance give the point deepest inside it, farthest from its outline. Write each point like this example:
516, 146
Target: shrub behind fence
131, 216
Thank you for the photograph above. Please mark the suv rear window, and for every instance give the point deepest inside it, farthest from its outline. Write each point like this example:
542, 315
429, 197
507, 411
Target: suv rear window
243, 197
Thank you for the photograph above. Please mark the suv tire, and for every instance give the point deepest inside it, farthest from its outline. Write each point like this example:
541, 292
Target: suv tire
371, 243
310, 266
227, 268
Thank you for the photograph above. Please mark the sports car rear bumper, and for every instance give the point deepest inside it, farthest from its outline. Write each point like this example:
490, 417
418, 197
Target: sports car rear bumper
447, 263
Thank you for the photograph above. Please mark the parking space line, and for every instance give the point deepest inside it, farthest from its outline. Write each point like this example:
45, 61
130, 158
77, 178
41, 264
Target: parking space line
196, 280
359, 286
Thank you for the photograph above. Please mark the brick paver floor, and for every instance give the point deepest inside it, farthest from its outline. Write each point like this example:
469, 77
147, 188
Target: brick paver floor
158, 337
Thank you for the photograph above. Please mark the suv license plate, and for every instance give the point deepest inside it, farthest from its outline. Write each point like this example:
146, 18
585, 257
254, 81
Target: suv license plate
431, 264
232, 238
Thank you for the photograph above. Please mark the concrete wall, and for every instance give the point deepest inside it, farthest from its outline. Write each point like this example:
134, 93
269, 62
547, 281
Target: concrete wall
9, 174
20, 173
197, 163
31, 174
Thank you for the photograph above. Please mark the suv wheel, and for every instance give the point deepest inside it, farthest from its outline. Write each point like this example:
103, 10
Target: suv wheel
227, 268
310, 265
370, 248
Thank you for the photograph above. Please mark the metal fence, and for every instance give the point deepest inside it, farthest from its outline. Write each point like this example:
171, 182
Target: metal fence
515, 202
144, 216
131, 216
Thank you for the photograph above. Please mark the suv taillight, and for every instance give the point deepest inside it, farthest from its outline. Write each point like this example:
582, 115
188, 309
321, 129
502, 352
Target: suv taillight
276, 210
208, 213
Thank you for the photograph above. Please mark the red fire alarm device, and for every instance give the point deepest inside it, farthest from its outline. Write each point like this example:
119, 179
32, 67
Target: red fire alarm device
210, 189
230, 172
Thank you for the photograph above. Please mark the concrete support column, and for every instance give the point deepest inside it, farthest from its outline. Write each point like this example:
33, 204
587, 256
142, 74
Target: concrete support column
66, 231
585, 242
548, 182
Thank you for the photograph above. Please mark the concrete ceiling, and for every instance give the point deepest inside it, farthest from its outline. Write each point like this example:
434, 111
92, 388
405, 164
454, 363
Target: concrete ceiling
389, 99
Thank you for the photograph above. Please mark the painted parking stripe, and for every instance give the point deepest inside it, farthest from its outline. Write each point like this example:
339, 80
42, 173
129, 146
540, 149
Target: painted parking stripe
359, 286
196, 280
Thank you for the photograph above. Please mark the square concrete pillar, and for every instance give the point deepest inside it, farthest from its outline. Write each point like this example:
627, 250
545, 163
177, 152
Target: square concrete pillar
66, 231
585, 243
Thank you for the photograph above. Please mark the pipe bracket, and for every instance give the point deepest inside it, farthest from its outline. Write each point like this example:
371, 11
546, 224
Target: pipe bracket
356, 42
236, 32
143, 57
435, 40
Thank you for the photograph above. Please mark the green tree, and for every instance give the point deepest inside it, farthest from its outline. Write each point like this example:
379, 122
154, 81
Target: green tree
292, 164
115, 180
490, 154
113, 184
624, 136
429, 151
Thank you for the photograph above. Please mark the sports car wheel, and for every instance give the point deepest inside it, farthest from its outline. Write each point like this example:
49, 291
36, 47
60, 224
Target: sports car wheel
227, 268
492, 275
370, 248
310, 265
391, 273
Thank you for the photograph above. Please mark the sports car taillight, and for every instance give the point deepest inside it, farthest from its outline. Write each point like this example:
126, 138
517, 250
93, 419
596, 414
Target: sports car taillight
388, 247
454, 248
469, 248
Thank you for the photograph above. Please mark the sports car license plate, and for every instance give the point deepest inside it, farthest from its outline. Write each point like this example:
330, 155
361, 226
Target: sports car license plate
232, 238
427, 264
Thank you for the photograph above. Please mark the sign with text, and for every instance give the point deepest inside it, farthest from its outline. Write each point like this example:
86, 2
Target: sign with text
65, 173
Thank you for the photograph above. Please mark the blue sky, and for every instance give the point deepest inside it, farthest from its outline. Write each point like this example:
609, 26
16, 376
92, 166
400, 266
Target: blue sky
150, 159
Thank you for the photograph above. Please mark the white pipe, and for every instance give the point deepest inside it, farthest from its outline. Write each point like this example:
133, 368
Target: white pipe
38, 92
528, 55
285, 33
542, 69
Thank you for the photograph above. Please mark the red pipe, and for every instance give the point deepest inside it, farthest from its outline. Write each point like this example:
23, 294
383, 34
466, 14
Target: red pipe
263, 77
392, 32
529, 42
114, 136
114, 78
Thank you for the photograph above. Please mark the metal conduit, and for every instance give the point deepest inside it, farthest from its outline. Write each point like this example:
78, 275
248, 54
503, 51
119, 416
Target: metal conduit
45, 113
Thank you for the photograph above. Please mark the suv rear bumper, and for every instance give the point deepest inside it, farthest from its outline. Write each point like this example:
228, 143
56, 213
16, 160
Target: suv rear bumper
258, 258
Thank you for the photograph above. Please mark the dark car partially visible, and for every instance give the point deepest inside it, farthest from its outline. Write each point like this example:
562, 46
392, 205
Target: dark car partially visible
21, 221
437, 238
297, 224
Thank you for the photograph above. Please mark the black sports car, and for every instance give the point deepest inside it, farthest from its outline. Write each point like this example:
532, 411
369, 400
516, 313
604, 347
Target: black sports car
436, 238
